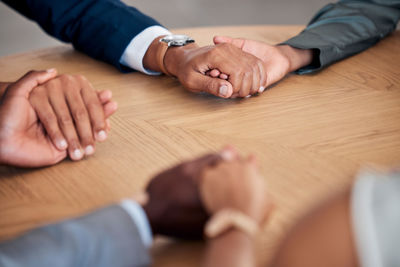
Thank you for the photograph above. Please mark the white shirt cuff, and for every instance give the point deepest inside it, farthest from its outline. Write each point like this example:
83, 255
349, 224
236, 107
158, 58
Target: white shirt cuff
139, 217
137, 48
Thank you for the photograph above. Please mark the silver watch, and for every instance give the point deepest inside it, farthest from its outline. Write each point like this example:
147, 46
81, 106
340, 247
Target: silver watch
177, 40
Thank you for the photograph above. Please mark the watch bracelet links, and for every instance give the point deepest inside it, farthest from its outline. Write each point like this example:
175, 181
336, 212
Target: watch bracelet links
226, 219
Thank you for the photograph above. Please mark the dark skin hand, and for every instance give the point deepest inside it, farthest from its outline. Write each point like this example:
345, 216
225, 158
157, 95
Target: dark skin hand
191, 63
174, 207
22, 133
72, 113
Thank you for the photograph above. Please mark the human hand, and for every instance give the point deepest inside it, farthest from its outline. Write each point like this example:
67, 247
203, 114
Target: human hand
279, 59
23, 141
190, 63
235, 184
173, 205
73, 114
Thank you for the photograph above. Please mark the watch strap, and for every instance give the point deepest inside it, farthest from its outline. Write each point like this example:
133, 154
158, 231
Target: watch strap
227, 219
161, 51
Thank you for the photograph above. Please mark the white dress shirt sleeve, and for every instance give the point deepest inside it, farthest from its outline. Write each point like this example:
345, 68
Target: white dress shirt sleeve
136, 212
137, 48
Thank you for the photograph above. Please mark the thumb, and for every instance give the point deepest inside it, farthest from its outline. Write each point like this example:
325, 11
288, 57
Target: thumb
214, 86
222, 39
239, 43
30, 80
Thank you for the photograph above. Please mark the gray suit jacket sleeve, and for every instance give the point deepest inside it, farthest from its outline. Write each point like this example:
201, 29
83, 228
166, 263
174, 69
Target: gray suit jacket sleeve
107, 237
343, 29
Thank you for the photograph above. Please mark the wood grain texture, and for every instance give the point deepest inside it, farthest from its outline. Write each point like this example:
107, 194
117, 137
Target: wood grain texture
311, 133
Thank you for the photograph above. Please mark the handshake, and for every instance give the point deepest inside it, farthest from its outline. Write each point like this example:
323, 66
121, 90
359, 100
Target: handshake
229, 69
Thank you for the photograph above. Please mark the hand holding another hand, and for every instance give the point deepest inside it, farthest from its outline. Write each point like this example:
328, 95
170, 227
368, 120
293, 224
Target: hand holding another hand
279, 60
173, 204
246, 74
73, 113
236, 184
28, 121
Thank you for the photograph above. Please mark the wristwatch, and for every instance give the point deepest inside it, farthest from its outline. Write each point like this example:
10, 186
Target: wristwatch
165, 43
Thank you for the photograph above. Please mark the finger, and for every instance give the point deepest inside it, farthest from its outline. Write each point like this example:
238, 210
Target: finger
247, 83
236, 95
214, 73
222, 39
95, 110
263, 80
110, 108
252, 159
214, 86
81, 118
48, 119
108, 124
238, 42
256, 79
65, 121
104, 96
223, 76
229, 153
30, 80
199, 164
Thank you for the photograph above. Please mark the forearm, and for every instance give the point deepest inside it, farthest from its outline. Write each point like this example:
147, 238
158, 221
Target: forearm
323, 238
233, 248
343, 29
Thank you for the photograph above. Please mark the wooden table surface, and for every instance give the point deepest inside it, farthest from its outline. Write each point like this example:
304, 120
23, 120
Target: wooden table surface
311, 134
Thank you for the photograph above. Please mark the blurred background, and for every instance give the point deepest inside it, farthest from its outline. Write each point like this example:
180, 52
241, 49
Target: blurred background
18, 34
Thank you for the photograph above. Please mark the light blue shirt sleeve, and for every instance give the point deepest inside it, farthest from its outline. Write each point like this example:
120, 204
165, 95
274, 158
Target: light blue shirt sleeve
139, 217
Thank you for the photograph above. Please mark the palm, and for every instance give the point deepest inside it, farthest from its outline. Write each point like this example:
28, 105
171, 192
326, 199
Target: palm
28, 143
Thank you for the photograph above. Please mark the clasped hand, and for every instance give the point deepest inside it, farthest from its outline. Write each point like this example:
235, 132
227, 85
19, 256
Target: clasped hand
45, 117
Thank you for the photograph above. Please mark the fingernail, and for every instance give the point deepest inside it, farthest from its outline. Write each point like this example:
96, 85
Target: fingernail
89, 150
101, 135
248, 96
262, 88
227, 155
77, 154
51, 70
62, 144
223, 90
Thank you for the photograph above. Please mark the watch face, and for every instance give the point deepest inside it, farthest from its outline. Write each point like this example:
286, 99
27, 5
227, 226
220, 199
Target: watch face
177, 40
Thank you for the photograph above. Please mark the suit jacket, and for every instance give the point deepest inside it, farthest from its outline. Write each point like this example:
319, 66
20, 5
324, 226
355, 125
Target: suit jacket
348, 27
105, 238
100, 28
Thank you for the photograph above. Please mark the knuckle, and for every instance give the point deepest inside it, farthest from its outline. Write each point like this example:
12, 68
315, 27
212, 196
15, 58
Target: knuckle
49, 119
80, 77
65, 120
80, 114
67, 80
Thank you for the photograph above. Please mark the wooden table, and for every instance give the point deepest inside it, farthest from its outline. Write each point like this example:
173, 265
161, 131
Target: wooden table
311, 133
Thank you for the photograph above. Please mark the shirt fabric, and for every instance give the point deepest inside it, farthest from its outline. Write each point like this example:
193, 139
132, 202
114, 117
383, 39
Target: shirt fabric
375, 206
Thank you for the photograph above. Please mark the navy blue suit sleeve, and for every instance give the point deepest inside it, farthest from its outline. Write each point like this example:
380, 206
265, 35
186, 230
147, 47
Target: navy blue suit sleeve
101, 29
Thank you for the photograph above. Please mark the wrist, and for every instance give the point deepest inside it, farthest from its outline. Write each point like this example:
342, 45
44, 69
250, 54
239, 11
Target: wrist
296, 57
175, 56
152, 216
